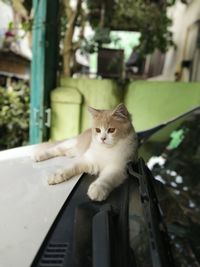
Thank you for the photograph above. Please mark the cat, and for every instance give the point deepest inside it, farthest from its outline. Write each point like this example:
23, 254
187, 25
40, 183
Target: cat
103, 150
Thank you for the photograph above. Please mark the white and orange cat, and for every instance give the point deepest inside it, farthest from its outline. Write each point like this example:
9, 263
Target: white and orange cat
103, 150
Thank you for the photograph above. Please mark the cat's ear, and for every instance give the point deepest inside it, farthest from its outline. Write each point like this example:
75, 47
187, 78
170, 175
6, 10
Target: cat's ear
94, 112
121, 112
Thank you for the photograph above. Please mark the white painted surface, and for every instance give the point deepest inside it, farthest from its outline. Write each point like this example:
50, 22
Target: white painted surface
28, 205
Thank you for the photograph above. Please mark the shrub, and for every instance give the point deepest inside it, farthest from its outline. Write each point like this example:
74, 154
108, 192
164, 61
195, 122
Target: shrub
14, 116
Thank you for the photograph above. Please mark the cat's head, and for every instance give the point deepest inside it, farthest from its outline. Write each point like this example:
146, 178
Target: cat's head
109, 126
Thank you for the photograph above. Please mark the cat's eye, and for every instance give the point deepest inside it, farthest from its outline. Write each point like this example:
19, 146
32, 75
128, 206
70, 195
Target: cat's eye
98, 130
111, 130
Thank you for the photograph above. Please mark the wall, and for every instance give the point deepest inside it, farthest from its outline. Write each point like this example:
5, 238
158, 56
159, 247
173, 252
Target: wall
183, 16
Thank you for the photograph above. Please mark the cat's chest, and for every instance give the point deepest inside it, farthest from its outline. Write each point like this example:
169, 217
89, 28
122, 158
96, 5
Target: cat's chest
103, 156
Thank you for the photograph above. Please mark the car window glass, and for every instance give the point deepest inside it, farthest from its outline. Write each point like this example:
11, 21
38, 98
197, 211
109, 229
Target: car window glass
175, 165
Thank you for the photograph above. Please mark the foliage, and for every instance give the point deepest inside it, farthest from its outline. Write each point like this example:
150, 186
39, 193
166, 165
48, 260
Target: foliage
101, 36
148, 17
14, 116
100, 12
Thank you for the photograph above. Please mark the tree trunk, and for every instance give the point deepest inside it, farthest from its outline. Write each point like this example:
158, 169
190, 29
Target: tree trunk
68, 50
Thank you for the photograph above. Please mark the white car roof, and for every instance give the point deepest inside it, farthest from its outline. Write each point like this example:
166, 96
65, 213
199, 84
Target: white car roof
28, 205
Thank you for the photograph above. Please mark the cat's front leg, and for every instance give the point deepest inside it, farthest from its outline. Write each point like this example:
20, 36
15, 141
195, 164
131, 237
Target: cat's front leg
61, 175
98, 191
62, 148
48, 154
108, 179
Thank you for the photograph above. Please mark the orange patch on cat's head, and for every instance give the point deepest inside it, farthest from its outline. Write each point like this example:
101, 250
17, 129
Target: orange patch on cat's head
118, 118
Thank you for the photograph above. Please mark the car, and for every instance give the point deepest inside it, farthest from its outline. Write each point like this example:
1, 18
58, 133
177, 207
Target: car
28, 204
150, 220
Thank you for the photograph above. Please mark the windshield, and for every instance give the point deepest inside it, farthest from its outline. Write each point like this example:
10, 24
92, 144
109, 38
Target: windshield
175, 164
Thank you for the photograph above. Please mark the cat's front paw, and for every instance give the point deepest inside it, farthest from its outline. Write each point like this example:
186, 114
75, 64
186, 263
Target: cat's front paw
97, 192
57, 177
40, 156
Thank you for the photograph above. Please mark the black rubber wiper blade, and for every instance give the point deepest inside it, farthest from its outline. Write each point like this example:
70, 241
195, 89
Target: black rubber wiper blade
159, 244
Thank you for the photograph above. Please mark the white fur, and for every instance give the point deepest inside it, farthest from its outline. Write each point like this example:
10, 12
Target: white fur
64, 148
101, 155
108, 160
110, 164
105, 135
98, 151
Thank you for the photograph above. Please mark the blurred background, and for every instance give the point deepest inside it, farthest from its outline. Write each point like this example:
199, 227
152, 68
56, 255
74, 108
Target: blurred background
97, 53
57, 57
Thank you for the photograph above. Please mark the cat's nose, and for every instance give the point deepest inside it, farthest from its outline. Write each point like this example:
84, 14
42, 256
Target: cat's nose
103, 138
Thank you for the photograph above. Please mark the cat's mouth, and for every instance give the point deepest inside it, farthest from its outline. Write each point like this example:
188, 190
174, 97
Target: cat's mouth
105, 143
102, 141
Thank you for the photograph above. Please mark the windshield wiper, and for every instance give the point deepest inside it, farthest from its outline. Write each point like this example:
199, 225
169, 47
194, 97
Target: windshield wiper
92, 234
159, 243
